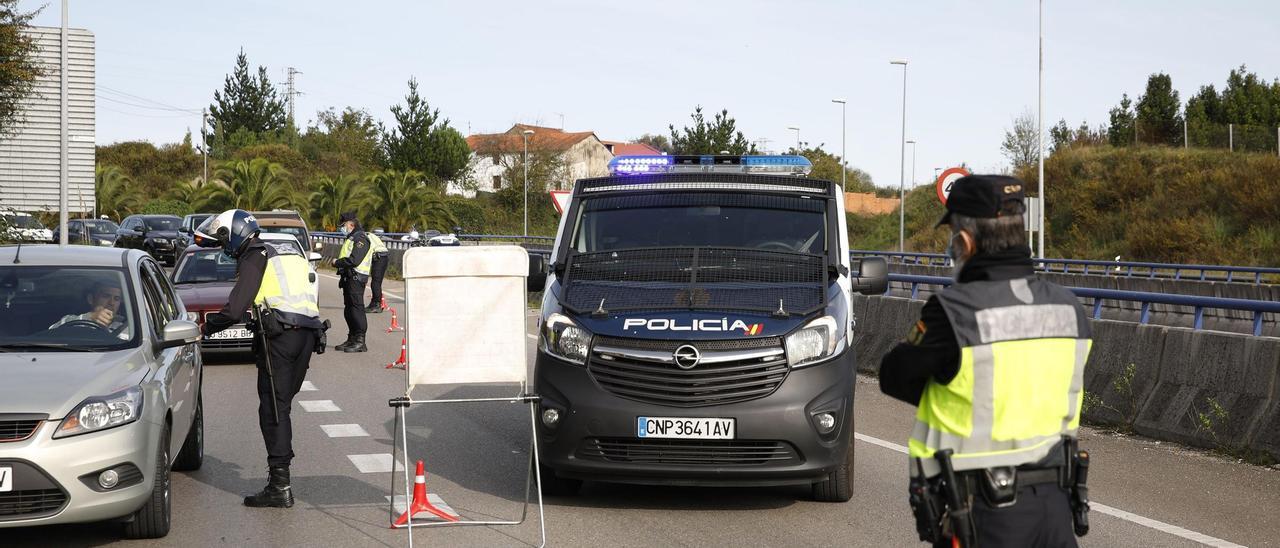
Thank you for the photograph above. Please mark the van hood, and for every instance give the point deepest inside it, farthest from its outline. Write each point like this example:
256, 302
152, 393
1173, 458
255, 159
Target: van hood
56, 382
689, 325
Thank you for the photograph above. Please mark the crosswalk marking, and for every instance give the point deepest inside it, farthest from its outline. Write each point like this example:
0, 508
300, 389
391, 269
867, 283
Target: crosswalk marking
318, 406
308, 387
373, 464
343, 430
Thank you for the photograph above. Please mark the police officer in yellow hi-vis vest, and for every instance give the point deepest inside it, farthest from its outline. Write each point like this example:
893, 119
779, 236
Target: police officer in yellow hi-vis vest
276, 281
355, 261
995, 367
378, 271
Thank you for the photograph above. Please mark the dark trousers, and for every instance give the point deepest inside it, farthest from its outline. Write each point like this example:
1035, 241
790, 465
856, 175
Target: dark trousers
353, 304
1040, 519
378, 271
290, 355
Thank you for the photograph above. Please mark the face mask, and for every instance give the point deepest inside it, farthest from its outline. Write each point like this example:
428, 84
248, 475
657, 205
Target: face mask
344, 230
956, 261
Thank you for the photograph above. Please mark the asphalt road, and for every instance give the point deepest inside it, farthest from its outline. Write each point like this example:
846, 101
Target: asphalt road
1146, 493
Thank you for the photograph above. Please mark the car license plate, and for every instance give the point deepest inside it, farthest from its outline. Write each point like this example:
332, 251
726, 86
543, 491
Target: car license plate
6, 479
685, 428
232, 333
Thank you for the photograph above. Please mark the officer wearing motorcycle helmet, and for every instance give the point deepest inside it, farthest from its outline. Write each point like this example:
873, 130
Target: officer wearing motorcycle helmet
275, 282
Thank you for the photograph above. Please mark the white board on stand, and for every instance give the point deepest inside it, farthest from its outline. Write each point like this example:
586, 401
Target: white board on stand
465, 314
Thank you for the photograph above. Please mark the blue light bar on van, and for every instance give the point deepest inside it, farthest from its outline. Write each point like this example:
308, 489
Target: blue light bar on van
778, 165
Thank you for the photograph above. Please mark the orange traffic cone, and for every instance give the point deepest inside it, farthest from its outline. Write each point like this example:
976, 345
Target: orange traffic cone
395, 322
403, 360
383, 303
420, 503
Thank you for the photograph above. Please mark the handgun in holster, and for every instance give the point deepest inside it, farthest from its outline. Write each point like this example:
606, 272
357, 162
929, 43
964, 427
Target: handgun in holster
322, 339
1075, 481
941, 505
927, 505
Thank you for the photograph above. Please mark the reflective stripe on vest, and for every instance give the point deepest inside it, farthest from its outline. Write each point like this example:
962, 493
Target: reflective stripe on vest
365, 265
375, 244
286, 284
1023, 346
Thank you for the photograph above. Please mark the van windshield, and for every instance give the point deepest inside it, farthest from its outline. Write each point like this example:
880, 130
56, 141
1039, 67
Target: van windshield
705, 219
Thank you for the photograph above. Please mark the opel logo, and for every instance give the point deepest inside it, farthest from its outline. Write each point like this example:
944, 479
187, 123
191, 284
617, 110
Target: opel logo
687, 357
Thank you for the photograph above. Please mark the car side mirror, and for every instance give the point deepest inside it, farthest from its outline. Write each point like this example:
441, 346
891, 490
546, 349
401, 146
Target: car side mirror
139, 228
179, 333
537, 272
314, 257
872, 277
319, 246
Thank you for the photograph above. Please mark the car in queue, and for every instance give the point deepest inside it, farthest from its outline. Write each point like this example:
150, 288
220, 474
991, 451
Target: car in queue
16, 226
155, 234
101, 391
284, 221
99, 232
204, 278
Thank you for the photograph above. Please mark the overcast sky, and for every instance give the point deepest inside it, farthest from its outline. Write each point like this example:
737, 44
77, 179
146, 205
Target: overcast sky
622, 69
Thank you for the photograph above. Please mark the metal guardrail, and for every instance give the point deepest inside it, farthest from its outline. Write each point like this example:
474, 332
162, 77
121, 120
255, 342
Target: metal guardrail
1105, 268
1146, 299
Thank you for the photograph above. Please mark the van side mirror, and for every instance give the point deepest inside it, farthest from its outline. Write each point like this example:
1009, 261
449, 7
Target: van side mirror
872, 276
537, 272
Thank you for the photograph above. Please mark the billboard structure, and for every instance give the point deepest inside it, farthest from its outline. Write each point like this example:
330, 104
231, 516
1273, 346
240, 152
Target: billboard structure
30, 156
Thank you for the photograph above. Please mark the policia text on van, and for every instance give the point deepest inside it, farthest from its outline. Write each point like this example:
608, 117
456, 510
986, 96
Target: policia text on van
696, 326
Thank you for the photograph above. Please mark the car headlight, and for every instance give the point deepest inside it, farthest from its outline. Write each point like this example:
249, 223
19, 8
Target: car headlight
102, 412
817, 341
565, 340
104, 241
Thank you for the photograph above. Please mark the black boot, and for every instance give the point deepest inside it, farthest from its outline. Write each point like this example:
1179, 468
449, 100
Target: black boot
373, 309
357, 344
346, 344
276, 494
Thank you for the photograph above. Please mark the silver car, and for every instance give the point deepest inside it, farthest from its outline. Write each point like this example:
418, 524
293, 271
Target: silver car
100, 379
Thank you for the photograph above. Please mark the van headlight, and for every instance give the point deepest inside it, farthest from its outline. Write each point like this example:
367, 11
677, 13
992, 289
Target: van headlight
816, 342
565, 340
102, 412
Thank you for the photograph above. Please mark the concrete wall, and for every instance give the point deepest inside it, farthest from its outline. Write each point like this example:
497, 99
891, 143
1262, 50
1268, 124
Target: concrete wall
1178, 374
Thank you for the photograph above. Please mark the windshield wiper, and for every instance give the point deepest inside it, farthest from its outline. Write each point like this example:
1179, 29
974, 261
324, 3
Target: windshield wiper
16, 347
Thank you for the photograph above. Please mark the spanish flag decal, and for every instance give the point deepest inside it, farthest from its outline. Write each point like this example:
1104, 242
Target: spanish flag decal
753, 329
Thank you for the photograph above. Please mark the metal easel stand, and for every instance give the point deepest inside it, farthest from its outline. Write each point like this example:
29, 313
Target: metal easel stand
535, 472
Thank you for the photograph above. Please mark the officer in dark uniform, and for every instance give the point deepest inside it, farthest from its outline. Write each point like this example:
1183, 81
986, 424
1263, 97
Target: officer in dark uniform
276, 282
355, 263
381, 259
995, 367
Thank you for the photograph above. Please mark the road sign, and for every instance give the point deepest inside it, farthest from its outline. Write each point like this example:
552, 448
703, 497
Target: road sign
946, 179
560, 199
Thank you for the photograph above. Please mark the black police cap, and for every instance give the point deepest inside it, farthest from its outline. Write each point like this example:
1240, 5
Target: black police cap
347, 216
984, 197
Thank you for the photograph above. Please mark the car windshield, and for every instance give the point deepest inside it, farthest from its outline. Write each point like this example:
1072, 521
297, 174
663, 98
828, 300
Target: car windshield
710, 219
162, 223
194, 221
101, 227
22, 221
295, 231
65, 308
205, 265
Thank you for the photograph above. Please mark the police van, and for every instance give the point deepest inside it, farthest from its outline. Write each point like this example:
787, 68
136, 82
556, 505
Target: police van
696, 328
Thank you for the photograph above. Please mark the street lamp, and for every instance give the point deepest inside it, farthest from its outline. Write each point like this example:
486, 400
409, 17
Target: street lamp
913, 163
902, 163
1040, 129
525, 135
843, 162
797, 130
935, 173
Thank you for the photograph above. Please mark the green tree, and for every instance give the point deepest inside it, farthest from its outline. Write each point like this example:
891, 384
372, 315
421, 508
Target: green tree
115, 193
191, 191
826, 166
399, 200
714, 137
1120, 132
424, 142
18, 67
332, 196
247, 110
343, 142
1157, 112
1021, 142
659, 142
251, 185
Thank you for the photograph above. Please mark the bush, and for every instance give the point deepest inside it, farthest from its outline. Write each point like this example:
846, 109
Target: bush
167, 207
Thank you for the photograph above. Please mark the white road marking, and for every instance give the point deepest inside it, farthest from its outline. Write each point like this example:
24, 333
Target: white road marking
398, 507
1114, 512
343, 430
307, 387
372, 464
531, 336
318, 406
